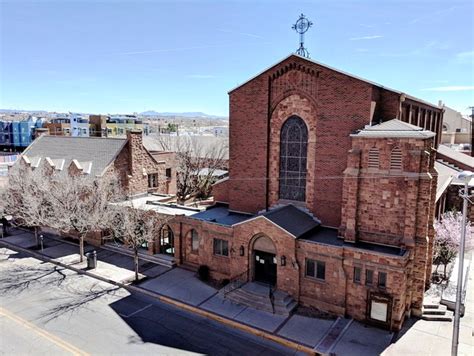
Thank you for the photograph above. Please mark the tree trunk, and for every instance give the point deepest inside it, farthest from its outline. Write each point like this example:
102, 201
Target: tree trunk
135, 259
81, 248
445, 265
36, 235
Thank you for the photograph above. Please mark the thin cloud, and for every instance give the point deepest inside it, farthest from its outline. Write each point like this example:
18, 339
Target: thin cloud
201, 76
248, 34
165, 50
468, 55
451, 88
364, 38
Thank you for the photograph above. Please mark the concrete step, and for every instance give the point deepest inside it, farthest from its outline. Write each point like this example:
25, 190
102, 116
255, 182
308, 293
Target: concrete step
259, 299
441, 310
448, 316
163, 260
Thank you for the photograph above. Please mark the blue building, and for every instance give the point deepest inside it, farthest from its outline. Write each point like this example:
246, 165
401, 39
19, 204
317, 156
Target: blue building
18, 134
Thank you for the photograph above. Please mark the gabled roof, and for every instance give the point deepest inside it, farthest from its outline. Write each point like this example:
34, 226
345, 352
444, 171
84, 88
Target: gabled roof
456, 156
294, 220
335, 70
93, 153
394, 128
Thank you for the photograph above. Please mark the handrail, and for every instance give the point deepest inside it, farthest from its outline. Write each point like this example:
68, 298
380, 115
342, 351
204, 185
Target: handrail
236, 282
271, 296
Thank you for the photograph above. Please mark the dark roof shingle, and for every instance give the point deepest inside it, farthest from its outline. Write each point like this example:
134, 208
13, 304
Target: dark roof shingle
99, 152
294, 220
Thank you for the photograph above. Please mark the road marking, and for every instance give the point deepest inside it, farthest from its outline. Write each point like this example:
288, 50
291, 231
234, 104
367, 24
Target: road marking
136, 311
53, 338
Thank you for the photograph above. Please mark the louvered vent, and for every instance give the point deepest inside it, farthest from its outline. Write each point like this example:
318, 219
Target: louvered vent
396, 159
374, 156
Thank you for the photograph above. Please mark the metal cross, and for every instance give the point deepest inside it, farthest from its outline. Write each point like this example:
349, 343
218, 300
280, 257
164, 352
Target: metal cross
301, 26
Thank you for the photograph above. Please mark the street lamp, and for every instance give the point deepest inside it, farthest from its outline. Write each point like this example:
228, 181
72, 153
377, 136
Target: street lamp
465, 177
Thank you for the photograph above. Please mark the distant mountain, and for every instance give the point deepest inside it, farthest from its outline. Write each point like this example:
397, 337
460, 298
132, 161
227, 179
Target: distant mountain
15, 111
181, 114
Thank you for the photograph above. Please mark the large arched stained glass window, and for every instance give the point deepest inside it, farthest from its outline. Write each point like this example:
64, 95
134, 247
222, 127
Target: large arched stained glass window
293, 156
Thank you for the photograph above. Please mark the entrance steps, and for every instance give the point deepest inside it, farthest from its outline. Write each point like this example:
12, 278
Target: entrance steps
159, 259
436, 312
256, 295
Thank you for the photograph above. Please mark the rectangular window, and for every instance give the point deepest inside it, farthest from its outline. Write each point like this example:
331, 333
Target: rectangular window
168, 173
369, 277
315, 269
221, 247
153, 180
357, 273
382, 279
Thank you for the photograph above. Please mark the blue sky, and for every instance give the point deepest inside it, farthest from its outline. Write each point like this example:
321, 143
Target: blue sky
132, 56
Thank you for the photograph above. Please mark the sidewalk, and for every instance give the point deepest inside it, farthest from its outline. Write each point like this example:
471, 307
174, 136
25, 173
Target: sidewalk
422, 337
340, 336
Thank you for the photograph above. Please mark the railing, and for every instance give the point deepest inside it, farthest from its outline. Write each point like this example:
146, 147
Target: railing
235, 283
271, 296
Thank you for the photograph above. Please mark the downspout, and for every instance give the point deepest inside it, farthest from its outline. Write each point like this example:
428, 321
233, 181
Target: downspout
267, 175
180, 242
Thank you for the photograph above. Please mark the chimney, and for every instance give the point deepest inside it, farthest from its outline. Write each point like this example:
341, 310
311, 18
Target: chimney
135, 146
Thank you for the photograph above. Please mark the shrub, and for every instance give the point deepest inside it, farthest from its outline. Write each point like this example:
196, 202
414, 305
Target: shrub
203, 273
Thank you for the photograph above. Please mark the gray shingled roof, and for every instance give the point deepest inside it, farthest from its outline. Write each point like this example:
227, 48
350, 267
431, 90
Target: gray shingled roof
457, 156
394, 128
93, 153
220, 214
292, 219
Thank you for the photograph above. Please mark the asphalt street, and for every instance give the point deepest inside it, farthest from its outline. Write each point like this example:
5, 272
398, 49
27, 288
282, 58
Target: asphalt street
45, 309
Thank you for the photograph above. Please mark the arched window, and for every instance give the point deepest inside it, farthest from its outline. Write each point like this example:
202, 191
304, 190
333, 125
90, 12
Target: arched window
167, 241
374, 157
396, 159
194, 240
293, 156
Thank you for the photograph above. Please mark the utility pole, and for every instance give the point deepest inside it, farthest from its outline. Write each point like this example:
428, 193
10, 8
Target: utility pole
465, 177
472, 130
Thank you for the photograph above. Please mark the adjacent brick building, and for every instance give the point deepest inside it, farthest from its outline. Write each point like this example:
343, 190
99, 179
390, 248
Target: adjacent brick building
139, 171
331, 194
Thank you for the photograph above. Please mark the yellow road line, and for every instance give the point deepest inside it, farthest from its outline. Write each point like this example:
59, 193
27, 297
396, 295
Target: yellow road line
54, 339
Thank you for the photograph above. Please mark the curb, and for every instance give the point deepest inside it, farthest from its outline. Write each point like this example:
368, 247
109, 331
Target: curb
181, 305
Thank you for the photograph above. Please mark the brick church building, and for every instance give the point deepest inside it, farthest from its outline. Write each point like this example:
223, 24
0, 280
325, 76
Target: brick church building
330, 196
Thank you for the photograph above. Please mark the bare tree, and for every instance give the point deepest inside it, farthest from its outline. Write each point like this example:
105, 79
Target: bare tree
26, 197
81, 204
197, 161
136, 228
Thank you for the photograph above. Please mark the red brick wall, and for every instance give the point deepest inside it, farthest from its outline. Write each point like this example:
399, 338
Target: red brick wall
248, 115
134, 163
332, 104
220, 190
330, 294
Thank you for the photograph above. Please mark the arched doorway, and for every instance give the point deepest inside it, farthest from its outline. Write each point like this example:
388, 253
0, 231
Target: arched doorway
167, 241
264, 260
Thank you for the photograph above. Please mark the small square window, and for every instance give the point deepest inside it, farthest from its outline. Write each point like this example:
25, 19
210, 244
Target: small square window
382, 279
221, 247
357, 274
369, 277
315, 269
